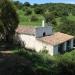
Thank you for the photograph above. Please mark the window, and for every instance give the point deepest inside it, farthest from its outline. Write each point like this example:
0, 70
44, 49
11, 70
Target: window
44, 34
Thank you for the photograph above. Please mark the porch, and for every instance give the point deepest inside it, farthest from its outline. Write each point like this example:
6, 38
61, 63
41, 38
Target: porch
66, 46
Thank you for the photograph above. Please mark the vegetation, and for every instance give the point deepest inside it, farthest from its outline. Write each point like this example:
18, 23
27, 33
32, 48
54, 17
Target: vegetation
57, 10
60, 15
28, 12
34, 18
27, 4
66, 26
39, 10
9, 21
25, 62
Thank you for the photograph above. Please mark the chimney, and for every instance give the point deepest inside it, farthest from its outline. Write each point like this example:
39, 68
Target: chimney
43, 23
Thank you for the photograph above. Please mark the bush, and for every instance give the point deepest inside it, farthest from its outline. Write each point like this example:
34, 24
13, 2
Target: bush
27, 4
44, 51
66, 26
28, 12
42, 71
39, 10
34, 18
49, 17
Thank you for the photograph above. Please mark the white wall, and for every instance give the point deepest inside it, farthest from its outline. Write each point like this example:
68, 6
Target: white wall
32, 43
40, 30
28, 40
41, 45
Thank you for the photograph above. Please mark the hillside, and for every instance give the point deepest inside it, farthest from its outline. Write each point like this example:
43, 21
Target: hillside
34, 14
16, 59
25, 20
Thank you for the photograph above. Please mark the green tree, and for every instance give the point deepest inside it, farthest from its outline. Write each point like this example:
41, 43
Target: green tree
39, 10
49, 17
18, 4
28, 11
67, 26
9, 19
27, 4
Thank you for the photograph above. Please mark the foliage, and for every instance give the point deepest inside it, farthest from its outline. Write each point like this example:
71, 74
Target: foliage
49, 17
27, 4
25, 62
45, 64
66, 65
39, 10
29, 62
67, 26
28, 12
34, 18
18, 4
58, 10
9, 19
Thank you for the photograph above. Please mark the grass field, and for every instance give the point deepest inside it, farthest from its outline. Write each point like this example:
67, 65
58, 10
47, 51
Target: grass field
25, 20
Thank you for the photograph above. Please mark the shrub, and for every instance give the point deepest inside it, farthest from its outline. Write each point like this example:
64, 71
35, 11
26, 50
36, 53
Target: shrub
34, 18
39, 10
28, 12
44, 51
49, 17
27, 4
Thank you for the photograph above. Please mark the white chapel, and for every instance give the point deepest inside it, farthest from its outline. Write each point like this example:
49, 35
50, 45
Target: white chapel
43, 38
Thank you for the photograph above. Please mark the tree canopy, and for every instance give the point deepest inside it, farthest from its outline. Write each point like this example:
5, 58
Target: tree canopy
67, 26
9, 20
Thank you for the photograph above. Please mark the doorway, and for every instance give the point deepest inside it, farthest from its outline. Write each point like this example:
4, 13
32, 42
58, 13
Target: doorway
61, 48
44, 34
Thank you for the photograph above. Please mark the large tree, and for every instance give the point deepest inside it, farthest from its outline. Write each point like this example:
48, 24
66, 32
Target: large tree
9, 19
18, 4
27, 4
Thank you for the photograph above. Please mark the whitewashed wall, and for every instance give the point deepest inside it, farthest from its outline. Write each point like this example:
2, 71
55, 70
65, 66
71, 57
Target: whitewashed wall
28, 40
41, 45
32, 43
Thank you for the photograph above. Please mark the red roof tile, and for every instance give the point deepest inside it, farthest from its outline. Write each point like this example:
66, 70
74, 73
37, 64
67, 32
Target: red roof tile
26, 30
56, 38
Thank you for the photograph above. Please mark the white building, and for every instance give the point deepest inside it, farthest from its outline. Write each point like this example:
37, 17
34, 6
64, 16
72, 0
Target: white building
40, 38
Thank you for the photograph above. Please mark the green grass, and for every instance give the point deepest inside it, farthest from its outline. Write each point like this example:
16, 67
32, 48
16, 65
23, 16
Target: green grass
71, 17
25, 20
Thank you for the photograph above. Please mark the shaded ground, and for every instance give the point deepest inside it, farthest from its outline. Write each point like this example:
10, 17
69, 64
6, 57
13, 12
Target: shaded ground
14, 65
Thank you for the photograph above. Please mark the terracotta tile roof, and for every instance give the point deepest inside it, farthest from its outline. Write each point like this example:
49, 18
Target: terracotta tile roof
56, 38
26, 30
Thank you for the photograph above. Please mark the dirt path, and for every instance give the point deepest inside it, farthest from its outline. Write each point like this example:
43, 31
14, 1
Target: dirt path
8, 52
